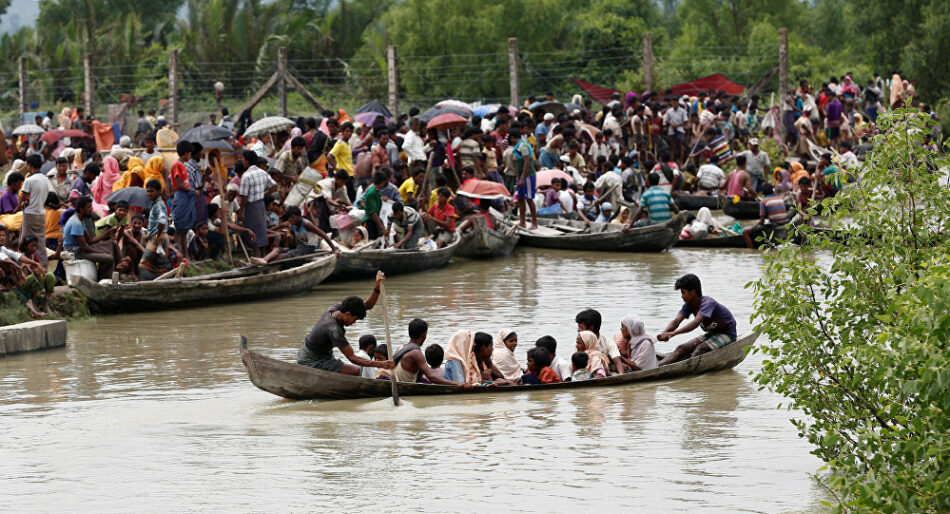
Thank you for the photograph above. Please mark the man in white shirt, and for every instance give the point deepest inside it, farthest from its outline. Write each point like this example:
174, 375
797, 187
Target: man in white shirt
710, 178
848, 160
560, 365
590, 320
413, 146
32, 199
757, 163
677, 119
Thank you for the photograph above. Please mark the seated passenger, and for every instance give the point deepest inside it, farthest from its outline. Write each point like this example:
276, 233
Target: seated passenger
367, 348
434, 356
539, 370
597, 362
559, 364
636, 347
579, 363
411, 365
503, 355
482, 348
460, 364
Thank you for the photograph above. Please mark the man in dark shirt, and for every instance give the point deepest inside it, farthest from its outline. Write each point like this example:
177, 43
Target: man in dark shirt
709, 314
330, 332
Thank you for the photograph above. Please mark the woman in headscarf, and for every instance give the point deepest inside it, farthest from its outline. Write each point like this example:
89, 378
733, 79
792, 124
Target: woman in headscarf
460, 364
102, 187
798, 171
623, 217
133, 177
503, 354
782, 183
897, 92
597, 362
343, 117
155, 168
636, 346
66, 119
294, 132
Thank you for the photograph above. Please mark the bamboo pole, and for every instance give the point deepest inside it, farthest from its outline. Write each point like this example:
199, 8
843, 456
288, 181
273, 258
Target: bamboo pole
389, 344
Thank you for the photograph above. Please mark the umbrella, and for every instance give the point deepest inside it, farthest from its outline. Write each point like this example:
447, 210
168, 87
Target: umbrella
217, 144
446, 121
375, 106
485, 189
545, 107
455, 104
136, 196
484, 110
546, 176
53, 136
205, 133
574, 107
588, 132
28, 130
367, 118
433, 112
269, 124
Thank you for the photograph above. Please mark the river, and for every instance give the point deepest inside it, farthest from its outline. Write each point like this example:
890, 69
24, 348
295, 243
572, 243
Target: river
154, 412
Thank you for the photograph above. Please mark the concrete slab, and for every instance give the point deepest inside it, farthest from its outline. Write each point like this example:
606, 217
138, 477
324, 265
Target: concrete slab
32, 336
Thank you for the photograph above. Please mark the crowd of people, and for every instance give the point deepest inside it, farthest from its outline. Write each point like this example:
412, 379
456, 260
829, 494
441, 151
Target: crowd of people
473, 358
151, 204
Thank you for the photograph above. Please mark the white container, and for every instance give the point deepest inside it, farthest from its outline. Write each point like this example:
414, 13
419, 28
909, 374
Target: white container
80, 268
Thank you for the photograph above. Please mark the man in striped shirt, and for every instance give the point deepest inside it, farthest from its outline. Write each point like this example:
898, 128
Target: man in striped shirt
771, 208
656, 203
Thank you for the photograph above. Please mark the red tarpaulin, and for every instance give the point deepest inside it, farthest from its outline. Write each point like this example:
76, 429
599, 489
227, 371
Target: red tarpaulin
716, 82
599, 94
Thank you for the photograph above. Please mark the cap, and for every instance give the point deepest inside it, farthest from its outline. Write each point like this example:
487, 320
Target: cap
548, 117
606, 206
565, 158
754, 141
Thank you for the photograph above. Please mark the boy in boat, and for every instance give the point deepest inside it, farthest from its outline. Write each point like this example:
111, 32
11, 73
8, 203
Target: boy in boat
411, 364
330, 332
590, 320
709, 314
367, 347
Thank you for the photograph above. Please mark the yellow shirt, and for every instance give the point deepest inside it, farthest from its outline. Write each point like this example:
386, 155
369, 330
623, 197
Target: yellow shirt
344, 157
408, 190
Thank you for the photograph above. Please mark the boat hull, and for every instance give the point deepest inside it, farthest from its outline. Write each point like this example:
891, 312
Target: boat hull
482, 242
366, 263
296, 382
687, 202
605, 237
744, 210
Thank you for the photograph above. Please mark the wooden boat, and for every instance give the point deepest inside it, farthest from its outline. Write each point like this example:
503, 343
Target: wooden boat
249, 283
367, 261
604, 237
481, 242
744, 210
291, 380
736, 241
688, 202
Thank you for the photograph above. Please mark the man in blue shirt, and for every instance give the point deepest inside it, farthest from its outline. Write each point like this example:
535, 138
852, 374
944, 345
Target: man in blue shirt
656, 203
714, 318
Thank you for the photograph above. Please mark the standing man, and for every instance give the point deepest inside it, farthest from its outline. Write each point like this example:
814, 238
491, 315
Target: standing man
523, 159
677, 119
183, 203
142, 129
255, 185
756, 163
412, 145
32, 197
330, 332
714, 318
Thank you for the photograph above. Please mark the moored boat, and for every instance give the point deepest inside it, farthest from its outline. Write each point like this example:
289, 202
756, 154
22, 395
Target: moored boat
367, 261
481, 242
688, 202
293, 381
249, 283
742, 210
760, 238
604, 237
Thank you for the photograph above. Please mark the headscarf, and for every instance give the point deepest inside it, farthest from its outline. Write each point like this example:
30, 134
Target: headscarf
704, 215
631, 96
155, 168
460, 348
365, 234
897, 89
782, 184
110, 175
618, 220
503, 358
65, 119
343, 117
593, 354
638, 337
18, 166
136, 167
798, 171
121, 155
78, 162
294, 132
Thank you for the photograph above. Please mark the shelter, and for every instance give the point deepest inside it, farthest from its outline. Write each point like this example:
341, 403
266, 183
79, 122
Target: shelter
716, 82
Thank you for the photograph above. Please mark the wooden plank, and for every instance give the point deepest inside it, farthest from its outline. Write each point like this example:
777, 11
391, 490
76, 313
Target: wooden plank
259, 95
303, 91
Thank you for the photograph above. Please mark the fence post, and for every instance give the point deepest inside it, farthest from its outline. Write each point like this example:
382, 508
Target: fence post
782, 64
282, 81
90, 85
392, 72
513, 71
21, 65
648, 62
173, 87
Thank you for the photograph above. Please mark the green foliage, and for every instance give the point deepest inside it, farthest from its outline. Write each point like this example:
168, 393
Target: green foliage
860, 328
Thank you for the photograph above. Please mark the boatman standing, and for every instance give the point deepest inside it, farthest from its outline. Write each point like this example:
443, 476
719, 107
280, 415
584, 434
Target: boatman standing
330, 332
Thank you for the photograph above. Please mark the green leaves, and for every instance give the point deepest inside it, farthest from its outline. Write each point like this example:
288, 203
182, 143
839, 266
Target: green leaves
861, 326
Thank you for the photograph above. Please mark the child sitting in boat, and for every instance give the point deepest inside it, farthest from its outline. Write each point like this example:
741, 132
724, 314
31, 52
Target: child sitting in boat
539, 368
434, 356
367, 345
380, 353
579, 364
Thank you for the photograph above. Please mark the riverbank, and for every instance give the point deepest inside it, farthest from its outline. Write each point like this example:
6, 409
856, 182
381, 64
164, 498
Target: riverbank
65, 304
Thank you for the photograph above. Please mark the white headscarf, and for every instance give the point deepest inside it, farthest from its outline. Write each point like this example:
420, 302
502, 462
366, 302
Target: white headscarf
503, 358
642, 351
705, 215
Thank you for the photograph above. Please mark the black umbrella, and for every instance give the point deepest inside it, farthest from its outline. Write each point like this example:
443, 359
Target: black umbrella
433, 112
375, 106
204, 133
574, 107
541, 108
136, 196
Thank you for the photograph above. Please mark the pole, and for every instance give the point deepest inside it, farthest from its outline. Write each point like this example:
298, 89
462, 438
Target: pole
648, 62
392, 72
21, 65
173, 87
782, 64
282, 81
513, 70
90, 85
389, 344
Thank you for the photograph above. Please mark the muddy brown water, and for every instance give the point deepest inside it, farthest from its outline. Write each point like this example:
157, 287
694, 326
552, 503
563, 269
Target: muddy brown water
154, 412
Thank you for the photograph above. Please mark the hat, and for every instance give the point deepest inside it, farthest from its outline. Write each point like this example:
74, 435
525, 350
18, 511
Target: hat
606, 206
548, 117
565, 158
754, 141
125, 142
233, 187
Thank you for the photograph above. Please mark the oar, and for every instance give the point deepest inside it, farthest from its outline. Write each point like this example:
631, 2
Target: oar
389, 344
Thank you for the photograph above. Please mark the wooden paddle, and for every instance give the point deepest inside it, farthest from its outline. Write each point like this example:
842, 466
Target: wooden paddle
389, 344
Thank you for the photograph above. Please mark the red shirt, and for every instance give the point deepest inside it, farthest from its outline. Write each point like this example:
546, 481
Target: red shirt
446, 213
181, 173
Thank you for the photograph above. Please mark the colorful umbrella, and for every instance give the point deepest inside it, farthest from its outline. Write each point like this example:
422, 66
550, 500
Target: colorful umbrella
446, 121
455, 104
433, 112
367, 118
545, 177
28, 130
53, 136
485, 189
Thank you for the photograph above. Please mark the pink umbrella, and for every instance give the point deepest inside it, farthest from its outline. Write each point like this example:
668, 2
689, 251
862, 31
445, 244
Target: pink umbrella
485, 189
546, 176
446, 121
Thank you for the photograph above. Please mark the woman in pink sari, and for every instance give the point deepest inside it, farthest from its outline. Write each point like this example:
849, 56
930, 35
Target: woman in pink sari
110, 175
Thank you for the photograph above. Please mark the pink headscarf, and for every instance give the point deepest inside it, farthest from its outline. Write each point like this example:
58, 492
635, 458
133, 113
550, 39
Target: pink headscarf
110, 175
294, 132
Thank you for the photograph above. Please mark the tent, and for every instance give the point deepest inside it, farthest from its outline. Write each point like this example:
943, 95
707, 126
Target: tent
716, 82
599, 94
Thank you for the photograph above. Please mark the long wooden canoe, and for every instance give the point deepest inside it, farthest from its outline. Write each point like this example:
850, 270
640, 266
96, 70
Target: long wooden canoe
771, 236
250, 283
605, 237
744, 210
291, 380
688, 202
481, 242
367, 262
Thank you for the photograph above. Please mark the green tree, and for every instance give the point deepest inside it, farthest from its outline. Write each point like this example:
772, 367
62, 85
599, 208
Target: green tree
860, 326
